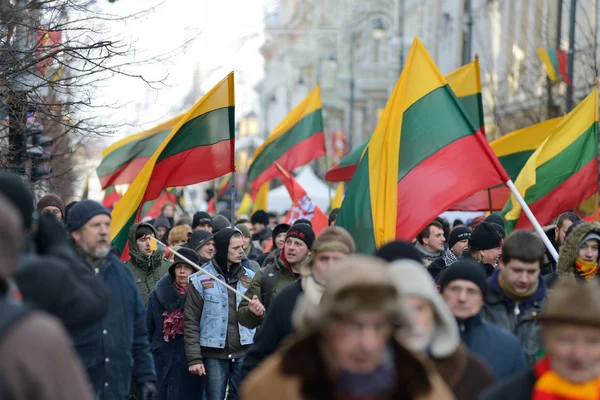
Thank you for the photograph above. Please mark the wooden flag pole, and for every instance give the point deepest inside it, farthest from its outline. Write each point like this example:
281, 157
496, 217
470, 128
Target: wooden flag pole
489, 192
596, 207
232, 200
532, 219
201, 269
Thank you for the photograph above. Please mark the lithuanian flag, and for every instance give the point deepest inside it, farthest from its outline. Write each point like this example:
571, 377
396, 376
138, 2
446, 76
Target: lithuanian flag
513, 151
199, 148
465, 82
555, 62
86, 189
111, 196
296, 141
562, 172
425, 155
123, 160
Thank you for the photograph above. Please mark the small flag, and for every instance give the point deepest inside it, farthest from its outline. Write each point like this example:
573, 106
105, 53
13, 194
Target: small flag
555, 62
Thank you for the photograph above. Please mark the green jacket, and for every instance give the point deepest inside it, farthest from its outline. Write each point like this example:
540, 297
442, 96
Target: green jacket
146, 270
245, 316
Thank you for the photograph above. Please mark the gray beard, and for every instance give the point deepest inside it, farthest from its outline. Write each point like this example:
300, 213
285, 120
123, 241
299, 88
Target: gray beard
97, 253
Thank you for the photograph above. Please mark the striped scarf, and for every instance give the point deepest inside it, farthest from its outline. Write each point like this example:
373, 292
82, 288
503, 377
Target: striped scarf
551, 386
587, 270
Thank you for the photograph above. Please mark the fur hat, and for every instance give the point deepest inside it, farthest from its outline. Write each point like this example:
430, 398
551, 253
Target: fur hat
179, 234
51, 200
412, 279
573, 302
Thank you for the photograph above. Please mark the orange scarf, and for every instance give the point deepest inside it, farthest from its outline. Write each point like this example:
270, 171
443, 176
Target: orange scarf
551, 386
586, 269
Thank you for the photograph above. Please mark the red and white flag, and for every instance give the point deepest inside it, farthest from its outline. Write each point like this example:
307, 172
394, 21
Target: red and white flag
302, 205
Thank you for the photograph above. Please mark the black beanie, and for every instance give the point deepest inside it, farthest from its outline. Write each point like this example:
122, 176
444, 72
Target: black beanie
499, 229
302, 232
302, 221
13, 188
201, 218
495, 218
485, 237
458, 234
399, 250
82, 212
281, 228
187, 253
468, 270
260, 217
199, 239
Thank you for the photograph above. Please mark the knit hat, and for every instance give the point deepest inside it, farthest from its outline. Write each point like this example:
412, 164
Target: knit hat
411, 279
281, 228
592, 235
11, 240
302, 221
265, 234
219, 222
303, 232
573, 302
13, 188
260, 217
68, 207
199, 239
82, 212
333, 238
51, 200
179, 234
499, 229
485, 237
495, 218
187, 253
398, 250
162, 221
458, 234
227, 214
467, 270
244, 229
201, 218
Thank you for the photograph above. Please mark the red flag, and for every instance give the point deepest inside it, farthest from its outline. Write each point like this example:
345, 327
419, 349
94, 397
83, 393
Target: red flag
302, 205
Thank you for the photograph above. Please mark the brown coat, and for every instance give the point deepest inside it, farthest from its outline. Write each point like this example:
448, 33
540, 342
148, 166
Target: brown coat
37, 362
465, 373
298, 373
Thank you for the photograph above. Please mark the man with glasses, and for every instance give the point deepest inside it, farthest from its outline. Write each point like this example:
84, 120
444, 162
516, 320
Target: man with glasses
464, 288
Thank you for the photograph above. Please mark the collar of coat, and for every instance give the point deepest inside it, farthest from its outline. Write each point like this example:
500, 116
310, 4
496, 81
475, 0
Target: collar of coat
496, 295
168, 295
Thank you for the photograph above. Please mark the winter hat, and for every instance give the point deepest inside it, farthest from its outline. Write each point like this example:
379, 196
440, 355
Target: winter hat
411, 278
495, 218
458, 234
162, 221
51, 200
68, 207
302, 221
333, 238
265, 234
244, 229
11, 240
187, 253
201, 218
219, 222
303, 232
260, 217
573, 302
281, 228
499, 229
226, 214
398, 250
485, 237
143, 230
82, 212
467, 270
13, 188
590, 236
199, 239
179, 234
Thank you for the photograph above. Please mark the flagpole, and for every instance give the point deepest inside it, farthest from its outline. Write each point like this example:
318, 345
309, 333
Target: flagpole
216, 195
532, 219
489, 192
233, 199
596, 207
328, 183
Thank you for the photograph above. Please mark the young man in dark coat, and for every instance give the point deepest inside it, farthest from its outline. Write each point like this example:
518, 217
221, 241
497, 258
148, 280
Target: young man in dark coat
464, 287
164, 320
116, 348
517, 290
570, 369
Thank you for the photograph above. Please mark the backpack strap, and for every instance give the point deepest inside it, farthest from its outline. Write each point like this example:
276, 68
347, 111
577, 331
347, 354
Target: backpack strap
267, 284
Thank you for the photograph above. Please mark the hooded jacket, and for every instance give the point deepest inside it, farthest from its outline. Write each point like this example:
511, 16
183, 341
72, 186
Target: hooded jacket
570, 250
146, 270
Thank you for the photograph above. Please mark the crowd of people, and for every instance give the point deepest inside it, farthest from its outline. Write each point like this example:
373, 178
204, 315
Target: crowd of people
263, 309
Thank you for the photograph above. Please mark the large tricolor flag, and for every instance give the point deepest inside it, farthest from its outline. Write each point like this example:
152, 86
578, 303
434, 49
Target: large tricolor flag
302, 205
296, 141
199, 148
111, 196
513, 151
425, 155
465, 82
123, 160
562, 172
555, 62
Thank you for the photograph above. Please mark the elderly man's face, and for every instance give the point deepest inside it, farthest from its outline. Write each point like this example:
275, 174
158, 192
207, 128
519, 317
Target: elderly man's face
573, 351
358, 342
94, 237
422, 323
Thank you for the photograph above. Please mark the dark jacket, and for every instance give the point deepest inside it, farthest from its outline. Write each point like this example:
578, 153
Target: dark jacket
465, 373
284, 278
116, 348
500, 349
254, 253
63, 285
519, 319
174, 382
570, 250
519, 387
277, 326
146, 270
549, 265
